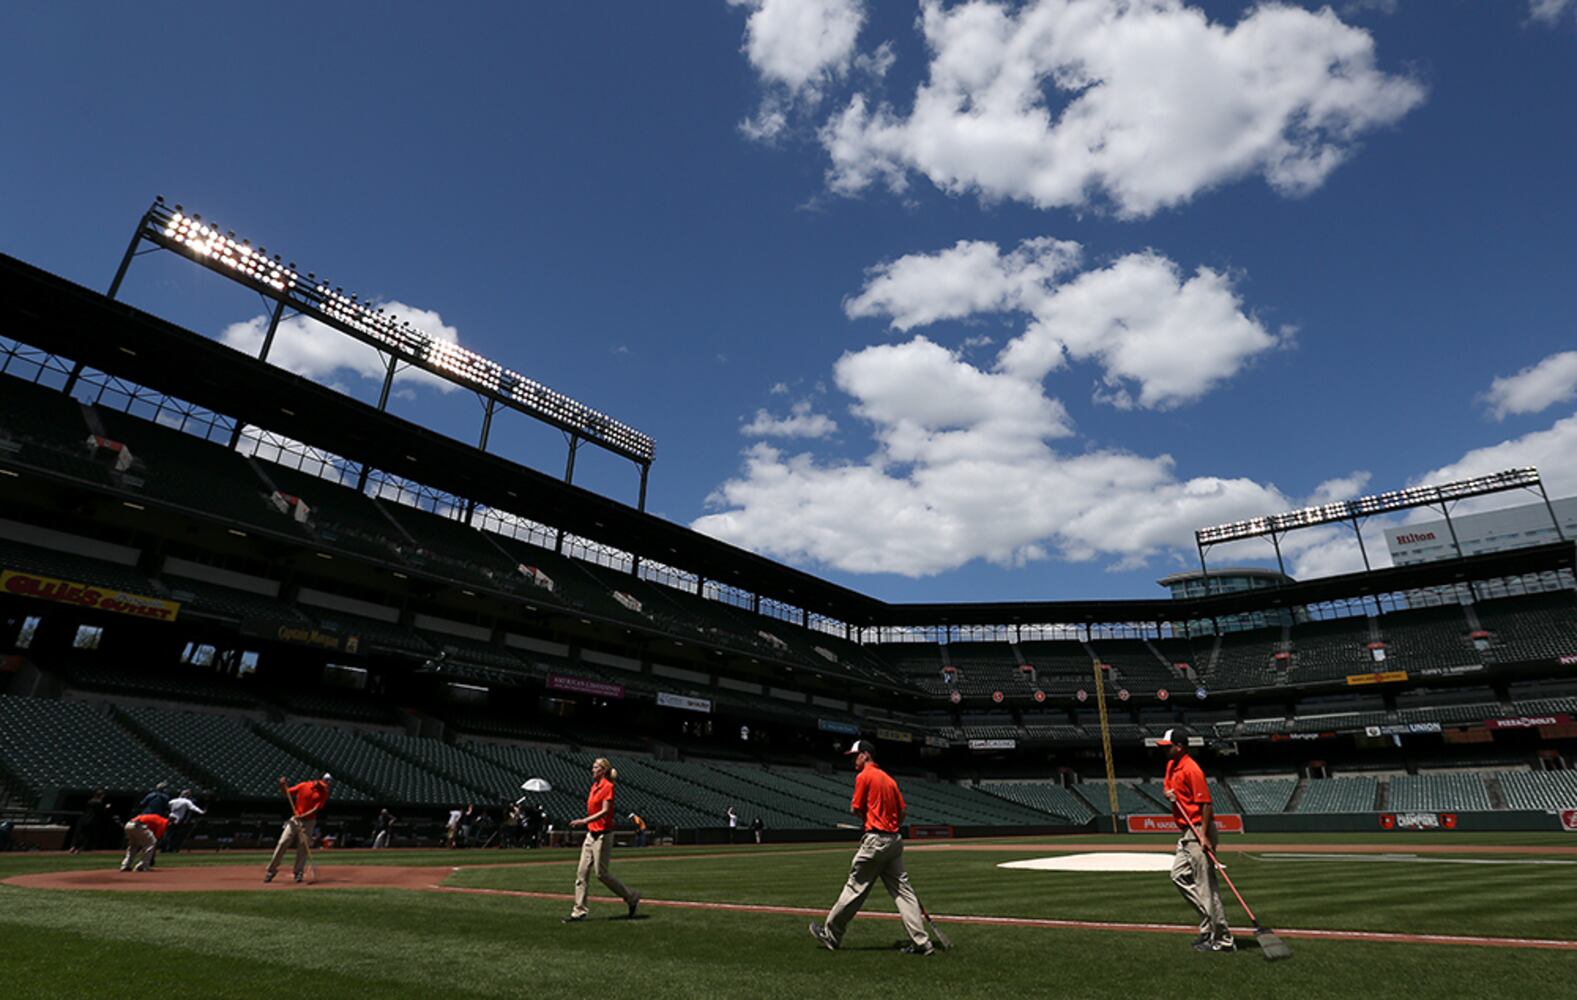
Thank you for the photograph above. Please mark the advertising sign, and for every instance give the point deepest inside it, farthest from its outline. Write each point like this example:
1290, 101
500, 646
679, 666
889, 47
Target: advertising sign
683, 701
581, 685
1225, 822
86, 595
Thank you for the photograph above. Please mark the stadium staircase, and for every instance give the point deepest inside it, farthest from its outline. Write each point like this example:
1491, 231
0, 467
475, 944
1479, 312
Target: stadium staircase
1382, 793
1497, 796
1297, 795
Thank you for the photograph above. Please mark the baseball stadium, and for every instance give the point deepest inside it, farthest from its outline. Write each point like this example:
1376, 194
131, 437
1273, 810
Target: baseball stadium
403, 659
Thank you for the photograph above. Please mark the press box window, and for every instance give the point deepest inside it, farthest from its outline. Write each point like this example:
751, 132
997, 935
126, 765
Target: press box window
88, 637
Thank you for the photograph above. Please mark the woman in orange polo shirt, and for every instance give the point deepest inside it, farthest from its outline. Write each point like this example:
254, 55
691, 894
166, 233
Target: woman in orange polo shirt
594, 851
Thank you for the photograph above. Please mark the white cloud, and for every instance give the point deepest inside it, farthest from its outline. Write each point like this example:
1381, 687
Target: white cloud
310, 349
970, 461
797, 46
1550, 11
780, 389
1150, 328
1553, 380
800, 422
1551, 451
1144, 103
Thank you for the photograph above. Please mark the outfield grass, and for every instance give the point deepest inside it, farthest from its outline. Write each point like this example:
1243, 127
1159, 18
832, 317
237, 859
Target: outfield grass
393, 943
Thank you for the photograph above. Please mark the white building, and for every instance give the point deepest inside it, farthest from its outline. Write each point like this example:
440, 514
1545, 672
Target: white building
1491, 531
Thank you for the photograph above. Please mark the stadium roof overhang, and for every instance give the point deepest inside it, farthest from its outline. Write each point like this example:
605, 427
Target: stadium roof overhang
58, 316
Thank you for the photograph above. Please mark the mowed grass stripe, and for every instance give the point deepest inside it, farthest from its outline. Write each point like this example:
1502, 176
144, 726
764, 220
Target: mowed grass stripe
396, 945
1497, 902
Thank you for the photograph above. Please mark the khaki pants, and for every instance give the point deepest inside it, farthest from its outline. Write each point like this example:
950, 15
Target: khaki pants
297, 835
1195, 878
140, 847
880, 857
594, 857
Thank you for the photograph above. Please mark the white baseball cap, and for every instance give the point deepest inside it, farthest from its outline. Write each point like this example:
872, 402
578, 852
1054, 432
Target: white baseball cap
1166, 739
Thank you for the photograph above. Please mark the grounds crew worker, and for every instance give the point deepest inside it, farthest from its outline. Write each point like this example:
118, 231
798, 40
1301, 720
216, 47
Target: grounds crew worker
143, 834
880, 804
1192, 871
594, 852
307, 798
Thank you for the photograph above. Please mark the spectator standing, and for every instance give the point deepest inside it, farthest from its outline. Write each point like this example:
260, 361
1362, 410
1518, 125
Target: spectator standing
757, 827
183, 816
733, 825
157, 801
142, 840
640, 829
381, 828
90, 825
879, 803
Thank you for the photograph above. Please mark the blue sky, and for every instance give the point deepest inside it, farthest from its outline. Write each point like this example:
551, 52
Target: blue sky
960, 301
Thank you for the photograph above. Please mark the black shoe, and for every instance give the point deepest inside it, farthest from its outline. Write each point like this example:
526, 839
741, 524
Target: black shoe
572, 919
298, 876
633, 904
267, 877
916, 949
1211, 948
819, 932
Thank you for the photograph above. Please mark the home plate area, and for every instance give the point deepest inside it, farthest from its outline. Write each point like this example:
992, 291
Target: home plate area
1102, 861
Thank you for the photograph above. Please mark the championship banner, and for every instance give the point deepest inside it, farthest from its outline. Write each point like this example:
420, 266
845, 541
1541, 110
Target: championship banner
683, 701
831, 726
894, 736
580, 685
1384, 677
1527, 722
993, 744
47, 588
1225, 822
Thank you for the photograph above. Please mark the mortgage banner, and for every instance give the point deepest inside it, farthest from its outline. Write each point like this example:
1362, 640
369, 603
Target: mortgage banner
1225, 822
86, 595
581, 685
683, 701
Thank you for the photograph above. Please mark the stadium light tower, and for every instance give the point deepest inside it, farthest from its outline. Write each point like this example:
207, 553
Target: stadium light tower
397, 340
1274, 526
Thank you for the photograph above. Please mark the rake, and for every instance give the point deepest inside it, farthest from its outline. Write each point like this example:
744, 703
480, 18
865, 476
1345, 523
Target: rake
1270, 944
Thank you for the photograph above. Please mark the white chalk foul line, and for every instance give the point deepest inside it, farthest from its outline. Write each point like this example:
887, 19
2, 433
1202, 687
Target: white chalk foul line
1386, 937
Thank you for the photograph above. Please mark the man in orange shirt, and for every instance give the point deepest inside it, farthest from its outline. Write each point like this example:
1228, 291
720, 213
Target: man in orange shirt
594, 851
307, 798
1192, 871
879, 803
143, 834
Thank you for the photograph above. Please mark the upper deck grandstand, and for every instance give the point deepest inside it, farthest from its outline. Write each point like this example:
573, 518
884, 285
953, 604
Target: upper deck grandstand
286, 578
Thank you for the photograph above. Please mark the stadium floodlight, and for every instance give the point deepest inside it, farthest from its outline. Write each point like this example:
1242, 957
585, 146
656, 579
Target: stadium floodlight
1380, 503
205, 243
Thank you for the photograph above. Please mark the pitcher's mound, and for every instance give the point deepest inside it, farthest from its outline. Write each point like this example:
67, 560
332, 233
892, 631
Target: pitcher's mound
233, 878
1099, 862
